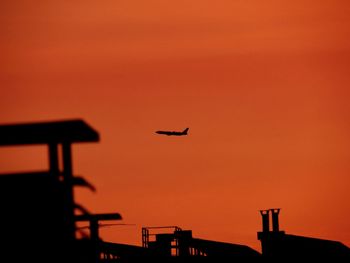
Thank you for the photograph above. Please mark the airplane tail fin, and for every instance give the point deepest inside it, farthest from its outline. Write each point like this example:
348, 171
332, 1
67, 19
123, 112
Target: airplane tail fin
185, 131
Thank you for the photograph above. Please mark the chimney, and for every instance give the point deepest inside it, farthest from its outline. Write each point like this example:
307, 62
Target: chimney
275, 224
265, 220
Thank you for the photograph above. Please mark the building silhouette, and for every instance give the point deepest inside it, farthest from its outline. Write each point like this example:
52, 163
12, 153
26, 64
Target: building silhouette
39, 216
277, 244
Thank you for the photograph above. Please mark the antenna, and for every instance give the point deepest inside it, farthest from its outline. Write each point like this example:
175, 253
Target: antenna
105, 225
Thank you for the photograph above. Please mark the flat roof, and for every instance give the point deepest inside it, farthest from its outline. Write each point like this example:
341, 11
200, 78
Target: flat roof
62, 131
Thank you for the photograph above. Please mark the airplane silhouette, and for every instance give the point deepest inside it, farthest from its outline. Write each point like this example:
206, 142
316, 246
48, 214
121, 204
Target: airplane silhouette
175, 133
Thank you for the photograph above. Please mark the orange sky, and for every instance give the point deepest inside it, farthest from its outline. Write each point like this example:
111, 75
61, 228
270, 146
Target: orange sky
263, 86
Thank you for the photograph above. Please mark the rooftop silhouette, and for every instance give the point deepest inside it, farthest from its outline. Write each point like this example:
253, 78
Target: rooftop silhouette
39, 215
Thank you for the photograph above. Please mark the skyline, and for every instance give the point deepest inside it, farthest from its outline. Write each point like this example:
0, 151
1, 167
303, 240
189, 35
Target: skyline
262, 86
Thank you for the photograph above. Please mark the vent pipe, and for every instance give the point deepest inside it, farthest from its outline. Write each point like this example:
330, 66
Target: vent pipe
275, 224
265, 220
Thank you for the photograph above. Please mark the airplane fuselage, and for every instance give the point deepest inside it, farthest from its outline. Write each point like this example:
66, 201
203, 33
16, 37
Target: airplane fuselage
173, 133
169, 133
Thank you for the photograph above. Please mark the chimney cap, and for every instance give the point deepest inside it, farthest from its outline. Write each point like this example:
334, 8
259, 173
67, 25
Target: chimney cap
275, 210
264, 212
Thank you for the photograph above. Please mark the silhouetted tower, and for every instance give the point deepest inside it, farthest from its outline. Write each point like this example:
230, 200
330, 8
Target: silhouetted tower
270, 240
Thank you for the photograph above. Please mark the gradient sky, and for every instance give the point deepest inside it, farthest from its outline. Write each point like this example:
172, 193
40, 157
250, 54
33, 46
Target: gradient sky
263, 86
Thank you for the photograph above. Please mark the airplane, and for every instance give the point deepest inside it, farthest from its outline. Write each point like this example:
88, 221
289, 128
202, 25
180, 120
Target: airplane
176, 133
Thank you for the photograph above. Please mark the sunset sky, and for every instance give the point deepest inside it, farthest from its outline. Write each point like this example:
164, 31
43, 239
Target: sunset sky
262, 85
